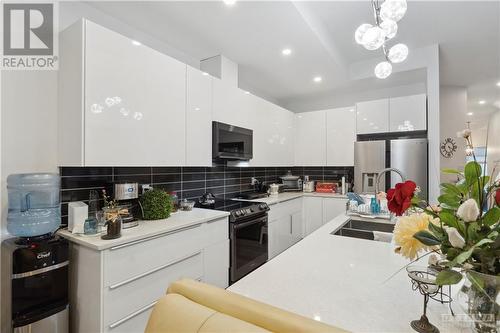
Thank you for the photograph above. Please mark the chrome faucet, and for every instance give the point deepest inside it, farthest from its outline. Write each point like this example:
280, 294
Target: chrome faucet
383, 172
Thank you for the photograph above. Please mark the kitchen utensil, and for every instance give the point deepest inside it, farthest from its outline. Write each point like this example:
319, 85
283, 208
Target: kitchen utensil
273, 189
309, 186
186, 205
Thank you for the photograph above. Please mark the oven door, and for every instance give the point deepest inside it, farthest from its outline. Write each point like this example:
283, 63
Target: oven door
248, 246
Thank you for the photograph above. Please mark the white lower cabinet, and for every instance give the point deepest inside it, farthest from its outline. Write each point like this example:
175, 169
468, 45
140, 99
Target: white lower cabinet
285, 226
321, 210
114, 290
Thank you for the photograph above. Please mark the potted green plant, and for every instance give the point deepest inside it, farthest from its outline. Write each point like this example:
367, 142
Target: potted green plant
156, 204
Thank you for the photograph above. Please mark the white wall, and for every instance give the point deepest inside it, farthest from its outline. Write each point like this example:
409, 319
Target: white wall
28, 125
453, 109
493, 158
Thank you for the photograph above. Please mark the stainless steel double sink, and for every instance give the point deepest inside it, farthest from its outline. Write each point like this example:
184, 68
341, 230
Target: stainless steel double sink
363, 229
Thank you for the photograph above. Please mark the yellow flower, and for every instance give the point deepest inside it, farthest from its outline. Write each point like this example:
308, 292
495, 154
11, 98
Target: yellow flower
404, 230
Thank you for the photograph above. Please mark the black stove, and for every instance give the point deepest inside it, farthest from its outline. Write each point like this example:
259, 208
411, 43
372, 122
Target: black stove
238, 210
248, 233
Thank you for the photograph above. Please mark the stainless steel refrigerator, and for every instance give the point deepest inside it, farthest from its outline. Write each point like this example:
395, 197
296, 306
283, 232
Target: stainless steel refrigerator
407, 155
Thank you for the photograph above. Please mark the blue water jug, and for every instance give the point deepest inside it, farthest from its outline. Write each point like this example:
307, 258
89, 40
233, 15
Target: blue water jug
34, 206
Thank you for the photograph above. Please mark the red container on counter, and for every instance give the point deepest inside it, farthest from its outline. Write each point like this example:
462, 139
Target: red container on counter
326, 187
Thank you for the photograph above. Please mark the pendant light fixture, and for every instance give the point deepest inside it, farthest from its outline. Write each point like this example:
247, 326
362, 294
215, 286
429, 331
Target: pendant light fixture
374, 37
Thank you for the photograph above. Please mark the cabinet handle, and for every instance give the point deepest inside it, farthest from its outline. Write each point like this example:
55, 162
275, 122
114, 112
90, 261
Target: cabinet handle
291, 224
132, 315
153, 270
154, 237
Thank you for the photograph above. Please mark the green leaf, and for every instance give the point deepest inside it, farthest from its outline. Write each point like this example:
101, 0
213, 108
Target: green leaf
462, 257
450, 220
492, 216
449, 200
436, 230
426, 238
451, 189
482, 242
448, 276
472, 172
451, 171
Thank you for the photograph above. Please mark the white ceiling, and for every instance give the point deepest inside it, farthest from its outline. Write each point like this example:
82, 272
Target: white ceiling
253, 33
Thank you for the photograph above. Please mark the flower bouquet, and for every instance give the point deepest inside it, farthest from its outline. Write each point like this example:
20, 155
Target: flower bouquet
460, 235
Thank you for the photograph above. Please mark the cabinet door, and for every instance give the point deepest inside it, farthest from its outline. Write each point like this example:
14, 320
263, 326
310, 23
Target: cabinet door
216, 264
408, 113
279, 235
296, 227
232, 105
340, 136
135, 100
332, 207
310, 138
313, 214
372, 116
198, 118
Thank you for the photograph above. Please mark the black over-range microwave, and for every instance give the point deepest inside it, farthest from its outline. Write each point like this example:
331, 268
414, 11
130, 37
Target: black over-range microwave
231, 142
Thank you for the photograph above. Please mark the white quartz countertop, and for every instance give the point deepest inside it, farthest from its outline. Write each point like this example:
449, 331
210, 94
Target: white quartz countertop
285, 196
344, 282
145, 229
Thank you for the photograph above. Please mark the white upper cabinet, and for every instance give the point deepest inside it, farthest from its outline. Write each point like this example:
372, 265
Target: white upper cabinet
131, 103
340, 136
310, 138
372, 116
232, 105
408, 113
198, 118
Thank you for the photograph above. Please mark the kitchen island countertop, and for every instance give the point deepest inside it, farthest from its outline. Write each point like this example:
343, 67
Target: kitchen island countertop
344, 282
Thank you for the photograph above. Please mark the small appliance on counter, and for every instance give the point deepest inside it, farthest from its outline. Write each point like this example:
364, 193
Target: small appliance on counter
127, 196
309, 186
323, 187
291, 183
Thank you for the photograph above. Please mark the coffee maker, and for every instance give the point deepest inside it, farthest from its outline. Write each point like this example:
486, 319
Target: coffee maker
127, 196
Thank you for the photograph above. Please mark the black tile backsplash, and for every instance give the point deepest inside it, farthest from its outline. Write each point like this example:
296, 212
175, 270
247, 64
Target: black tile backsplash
189, 182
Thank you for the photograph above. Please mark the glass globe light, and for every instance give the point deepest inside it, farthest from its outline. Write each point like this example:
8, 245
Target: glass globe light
393, 10
373, 38
398, 53
360, 32
383, 69
390, 28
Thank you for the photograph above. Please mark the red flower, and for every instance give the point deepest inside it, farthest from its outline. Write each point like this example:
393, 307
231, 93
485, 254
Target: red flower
497, 197
399, 198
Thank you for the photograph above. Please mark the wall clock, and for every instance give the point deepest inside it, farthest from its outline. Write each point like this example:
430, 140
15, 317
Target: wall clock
448, 147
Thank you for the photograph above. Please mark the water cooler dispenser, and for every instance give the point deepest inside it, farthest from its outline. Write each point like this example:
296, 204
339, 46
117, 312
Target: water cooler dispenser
34, 274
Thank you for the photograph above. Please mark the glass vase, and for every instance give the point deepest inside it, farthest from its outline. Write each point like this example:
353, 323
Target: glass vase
479, 298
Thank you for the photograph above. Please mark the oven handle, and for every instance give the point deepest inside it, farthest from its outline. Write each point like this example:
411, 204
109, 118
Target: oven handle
246, 224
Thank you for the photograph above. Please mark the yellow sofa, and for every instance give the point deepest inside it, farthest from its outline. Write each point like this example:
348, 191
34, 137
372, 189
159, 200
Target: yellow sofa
192, 306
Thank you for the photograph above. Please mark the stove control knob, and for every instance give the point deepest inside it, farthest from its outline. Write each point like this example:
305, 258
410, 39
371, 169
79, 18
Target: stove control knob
237, 213
262, 206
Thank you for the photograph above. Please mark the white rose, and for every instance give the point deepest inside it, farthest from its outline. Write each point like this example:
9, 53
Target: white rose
468, 211
456, 240
433, 260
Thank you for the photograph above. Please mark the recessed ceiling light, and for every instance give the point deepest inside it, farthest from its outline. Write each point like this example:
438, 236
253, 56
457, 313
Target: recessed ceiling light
482, 102
365, 119
498, 84
318, 79
247, 92
204, 73
136, 43
229, 2
351, 110
371, 124
470, 113
286, 52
